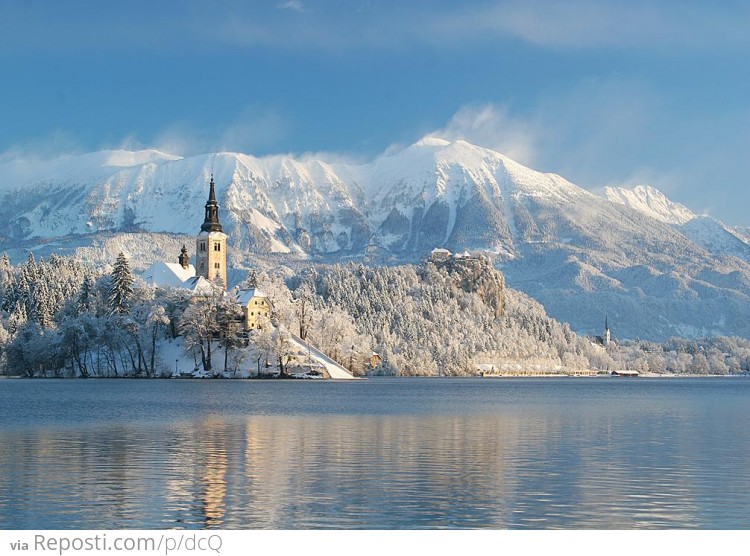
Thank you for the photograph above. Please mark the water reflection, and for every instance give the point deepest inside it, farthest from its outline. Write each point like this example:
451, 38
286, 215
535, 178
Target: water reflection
602, 465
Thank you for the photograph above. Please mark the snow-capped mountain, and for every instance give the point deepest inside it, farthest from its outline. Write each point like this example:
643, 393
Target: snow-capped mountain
650, 201
710, 233
652, 265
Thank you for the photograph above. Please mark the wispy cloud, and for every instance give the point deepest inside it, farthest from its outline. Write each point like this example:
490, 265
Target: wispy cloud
589, 23
294, 5
637, 24
50, 145
590, 133
492, 126
253, 129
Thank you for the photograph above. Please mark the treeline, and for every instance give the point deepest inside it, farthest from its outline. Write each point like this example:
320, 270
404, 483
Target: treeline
440, 320
445, 320
708, 356
61, 318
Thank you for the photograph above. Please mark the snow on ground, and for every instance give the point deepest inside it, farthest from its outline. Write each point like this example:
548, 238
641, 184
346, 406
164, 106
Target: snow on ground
335, 370
243, 363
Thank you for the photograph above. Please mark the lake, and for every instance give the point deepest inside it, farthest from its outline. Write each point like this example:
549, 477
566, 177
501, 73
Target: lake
383, 453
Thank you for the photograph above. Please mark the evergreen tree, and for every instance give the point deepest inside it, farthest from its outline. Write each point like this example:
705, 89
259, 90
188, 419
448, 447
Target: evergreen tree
121, 286
252, 280
83, 303
41, 305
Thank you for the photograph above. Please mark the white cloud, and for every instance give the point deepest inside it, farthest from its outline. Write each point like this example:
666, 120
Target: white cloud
51, 145
254, 128
294, 5
637, 24
593, 133
633, 24
491, 126
589, 23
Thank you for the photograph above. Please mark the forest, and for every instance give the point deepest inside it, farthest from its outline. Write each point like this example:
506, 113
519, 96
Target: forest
62, 318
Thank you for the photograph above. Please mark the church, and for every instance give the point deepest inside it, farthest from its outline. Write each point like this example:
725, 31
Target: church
606, 338
210, 270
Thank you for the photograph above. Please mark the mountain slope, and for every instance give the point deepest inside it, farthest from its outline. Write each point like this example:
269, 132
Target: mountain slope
650, 201
650, 264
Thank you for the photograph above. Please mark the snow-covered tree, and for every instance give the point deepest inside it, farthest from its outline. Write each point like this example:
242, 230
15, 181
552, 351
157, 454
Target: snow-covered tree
229, 325
121, 286
85, 296
198, 326
251, 282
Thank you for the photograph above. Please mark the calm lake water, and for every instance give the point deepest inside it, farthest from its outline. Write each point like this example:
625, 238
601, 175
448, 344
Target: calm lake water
382, 453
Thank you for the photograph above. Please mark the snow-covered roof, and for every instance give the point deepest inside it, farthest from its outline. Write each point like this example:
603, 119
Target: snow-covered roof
440, 251
243, 297
168, 274
174, 276
198, 285
216, 235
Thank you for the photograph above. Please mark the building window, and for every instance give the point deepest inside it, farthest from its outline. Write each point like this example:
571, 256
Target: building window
217, 246
217, 265
202, 246
202, 265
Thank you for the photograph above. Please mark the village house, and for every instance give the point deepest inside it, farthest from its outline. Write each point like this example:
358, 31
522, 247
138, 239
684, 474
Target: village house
256, 307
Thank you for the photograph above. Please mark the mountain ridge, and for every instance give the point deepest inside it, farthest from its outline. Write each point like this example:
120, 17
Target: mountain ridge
654, 266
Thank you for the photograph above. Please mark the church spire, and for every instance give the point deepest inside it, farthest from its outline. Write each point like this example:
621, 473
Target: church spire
607, 334
211, 221
212, 190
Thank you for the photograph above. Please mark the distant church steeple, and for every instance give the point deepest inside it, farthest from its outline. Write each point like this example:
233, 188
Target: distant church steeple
606, 335
211, 221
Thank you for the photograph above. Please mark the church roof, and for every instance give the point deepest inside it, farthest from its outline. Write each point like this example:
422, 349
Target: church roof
168, 274
211, 222
213, 234
174, 276
243, 297
198, 285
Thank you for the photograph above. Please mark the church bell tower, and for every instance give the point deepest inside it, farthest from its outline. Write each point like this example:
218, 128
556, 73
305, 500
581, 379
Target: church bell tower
211, 243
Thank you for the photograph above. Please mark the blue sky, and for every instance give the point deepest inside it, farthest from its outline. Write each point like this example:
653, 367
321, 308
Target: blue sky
602, 92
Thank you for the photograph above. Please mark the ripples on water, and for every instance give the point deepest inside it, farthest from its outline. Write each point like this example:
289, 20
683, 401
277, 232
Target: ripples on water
388, 453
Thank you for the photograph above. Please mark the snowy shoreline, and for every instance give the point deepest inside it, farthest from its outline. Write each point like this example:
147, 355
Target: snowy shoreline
376, 377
